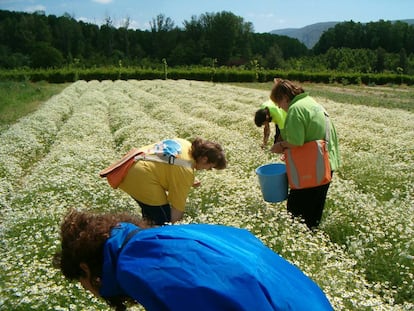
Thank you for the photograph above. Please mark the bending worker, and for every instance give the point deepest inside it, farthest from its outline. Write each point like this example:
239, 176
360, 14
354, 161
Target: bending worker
159, 176
268, 113
181, 267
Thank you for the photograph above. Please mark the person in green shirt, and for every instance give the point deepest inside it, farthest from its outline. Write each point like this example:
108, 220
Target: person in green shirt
267, 113
305, 122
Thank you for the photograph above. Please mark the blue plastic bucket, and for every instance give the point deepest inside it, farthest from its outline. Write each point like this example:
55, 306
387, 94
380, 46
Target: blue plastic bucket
273, 182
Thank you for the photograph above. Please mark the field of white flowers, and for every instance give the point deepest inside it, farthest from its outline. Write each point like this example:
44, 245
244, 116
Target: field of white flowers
362, 255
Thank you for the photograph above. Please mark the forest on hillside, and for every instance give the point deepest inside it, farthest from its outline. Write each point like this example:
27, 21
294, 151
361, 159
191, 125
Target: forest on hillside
34, 40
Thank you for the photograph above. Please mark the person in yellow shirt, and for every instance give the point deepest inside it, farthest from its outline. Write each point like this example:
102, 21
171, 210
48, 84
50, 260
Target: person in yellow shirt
268, 113
161, 188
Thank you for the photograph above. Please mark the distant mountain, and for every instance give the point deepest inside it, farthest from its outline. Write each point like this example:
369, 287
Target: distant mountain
310, 34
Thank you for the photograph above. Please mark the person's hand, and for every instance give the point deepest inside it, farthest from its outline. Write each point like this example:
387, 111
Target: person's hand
196, 184
277, 148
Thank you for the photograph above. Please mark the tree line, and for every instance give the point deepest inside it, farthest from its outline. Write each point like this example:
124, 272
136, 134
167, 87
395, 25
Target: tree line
34, 40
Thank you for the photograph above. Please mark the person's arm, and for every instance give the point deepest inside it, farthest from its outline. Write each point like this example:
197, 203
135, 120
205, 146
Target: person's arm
266, 133
180, 181
279, 147
176, 215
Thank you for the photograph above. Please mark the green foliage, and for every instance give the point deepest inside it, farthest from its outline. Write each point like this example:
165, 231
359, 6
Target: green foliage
46, 56
222, 36
220, 74
40, 41
392, 37
21, 98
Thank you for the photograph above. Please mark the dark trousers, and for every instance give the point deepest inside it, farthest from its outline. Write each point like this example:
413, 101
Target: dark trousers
156, 215
277, 134
308, 204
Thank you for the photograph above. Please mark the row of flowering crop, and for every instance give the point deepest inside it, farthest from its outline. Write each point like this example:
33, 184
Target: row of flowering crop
50, 160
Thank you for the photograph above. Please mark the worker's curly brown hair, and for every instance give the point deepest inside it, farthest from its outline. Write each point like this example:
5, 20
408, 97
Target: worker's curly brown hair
83, 235
213, 151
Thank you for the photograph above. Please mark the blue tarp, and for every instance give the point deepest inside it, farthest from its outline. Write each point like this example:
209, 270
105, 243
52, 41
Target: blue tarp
204, 267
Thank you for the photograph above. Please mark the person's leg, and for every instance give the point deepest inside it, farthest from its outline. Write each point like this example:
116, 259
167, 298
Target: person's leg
277, 134
157, 215
308, 204
315, 215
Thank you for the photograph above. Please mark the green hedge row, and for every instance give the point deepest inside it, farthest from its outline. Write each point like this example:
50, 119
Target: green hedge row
200, 74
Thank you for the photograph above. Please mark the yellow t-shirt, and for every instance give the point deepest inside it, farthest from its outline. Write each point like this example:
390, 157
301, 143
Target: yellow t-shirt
155, 183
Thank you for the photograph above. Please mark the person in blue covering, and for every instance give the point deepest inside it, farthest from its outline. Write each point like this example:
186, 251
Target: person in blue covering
180, 267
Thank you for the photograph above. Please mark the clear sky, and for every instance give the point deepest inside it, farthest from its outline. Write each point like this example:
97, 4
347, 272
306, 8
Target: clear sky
265, 15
